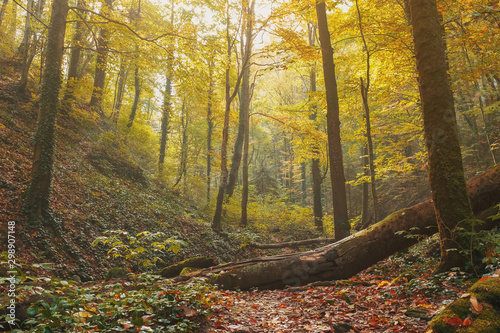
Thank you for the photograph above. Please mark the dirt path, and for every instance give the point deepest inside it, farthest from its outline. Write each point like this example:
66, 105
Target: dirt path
366, 303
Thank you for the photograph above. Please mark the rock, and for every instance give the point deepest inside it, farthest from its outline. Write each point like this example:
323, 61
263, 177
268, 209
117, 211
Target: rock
477, 311
76, 278
116, 273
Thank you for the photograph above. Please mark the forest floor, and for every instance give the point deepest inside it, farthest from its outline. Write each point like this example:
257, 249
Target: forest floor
387, 297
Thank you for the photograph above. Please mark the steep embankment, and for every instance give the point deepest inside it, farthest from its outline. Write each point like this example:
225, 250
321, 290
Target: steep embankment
97, 186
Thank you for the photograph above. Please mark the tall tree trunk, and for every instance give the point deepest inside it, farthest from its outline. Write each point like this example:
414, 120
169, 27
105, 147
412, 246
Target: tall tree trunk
446, 176
120, 85
37, 198
246, 50
315, 163
364, 96
341, 220
349, 256
137, 95
27, 48
101, 63
216, 221
184, 146
167, 100
2, 11
244, 190
210, 126
74, 61
365, 162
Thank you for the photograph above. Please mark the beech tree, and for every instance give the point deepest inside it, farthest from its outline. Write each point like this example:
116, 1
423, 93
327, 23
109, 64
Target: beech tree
446, 175
341, 219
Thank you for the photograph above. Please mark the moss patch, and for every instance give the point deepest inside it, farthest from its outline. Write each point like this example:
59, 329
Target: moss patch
194, 262
487, 293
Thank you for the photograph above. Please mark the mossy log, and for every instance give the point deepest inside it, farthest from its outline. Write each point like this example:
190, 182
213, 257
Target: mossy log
294, 244
194, 262
351, 255
468, 315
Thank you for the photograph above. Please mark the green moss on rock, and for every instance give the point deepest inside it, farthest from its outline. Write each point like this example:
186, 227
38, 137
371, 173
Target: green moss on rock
487, 293
187, 270
116, 273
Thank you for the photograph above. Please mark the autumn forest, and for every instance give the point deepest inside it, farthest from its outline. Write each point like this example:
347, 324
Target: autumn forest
250, 166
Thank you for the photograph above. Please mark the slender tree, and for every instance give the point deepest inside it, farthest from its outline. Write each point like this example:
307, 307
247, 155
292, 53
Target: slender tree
120, 86
101, 63
229, 97
2, 10
210, 125
37, 198
167, 100
315, 162
341, 219
446, 175
246, 50
365, 88
74, 62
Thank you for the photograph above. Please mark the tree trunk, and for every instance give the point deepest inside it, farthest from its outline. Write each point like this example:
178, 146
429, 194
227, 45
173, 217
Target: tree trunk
76, 50
2, 11
37, 198
216, 221
27, 49
137, 95
101, 64
210, 126
446, 174
315, 162
121, 79
244, 190
341, 220
350, 255
246, 50
365, 200
167, 100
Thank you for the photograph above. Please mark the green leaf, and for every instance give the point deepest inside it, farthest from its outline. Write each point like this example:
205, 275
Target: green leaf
32, 310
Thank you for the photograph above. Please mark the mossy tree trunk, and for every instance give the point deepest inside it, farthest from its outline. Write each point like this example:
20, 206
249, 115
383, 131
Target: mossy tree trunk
37, 198
350, 255
446, 173
340, 217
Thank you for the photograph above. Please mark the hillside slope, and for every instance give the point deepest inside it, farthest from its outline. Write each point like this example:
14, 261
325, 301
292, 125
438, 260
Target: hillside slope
97, 186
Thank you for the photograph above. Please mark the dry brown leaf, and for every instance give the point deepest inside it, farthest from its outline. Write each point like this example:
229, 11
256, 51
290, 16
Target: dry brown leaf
476, 307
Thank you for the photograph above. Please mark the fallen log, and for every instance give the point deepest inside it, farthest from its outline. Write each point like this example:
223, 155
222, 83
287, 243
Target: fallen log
294, 244
350, 255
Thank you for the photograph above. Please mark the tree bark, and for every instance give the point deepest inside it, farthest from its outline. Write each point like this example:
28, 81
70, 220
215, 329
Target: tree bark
76, 51
229, 97
446, 175
315, 162
120, 85
341, 220
246, 50
210, 126
37, 198
2, 11
101, 63
137, 95
350, 255
167, 100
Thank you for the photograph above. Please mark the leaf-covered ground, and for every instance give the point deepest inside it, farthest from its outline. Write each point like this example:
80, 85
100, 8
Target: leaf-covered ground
384, 298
